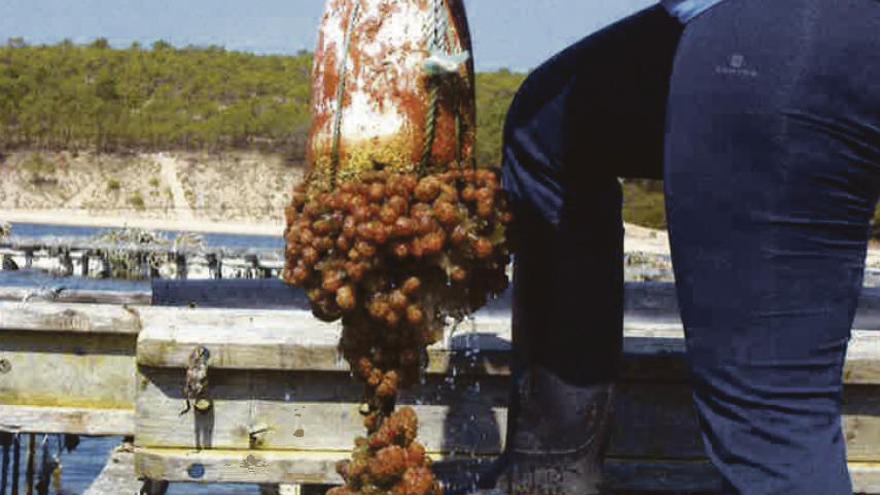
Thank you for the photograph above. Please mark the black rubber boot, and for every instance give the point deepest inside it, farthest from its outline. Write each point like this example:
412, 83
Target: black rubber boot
557, 437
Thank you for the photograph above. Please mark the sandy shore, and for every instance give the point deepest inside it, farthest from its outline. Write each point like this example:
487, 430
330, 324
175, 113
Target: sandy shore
637, 238
82, 219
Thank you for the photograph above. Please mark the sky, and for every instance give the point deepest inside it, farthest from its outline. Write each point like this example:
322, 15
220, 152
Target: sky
513, 34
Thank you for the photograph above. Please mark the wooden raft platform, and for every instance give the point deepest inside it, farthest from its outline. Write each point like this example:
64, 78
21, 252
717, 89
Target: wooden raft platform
68, 257
285, 408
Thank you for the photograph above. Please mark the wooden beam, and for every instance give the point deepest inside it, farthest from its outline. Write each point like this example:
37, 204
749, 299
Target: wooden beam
117, 477
67, 369
232, 466
75, 421
294, 340
68, 318
74, 296
319, 412
313, 411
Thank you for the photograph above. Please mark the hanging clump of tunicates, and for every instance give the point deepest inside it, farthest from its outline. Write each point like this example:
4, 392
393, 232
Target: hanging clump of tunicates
395, 230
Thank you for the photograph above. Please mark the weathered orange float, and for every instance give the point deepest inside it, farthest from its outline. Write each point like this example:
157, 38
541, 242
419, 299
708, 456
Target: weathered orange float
396, 230
393, 87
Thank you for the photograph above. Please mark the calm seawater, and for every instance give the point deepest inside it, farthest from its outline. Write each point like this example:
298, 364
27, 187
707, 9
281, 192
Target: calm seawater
82, 466
229, 241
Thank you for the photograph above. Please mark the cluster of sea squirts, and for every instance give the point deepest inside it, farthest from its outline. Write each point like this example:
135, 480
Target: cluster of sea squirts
395, 255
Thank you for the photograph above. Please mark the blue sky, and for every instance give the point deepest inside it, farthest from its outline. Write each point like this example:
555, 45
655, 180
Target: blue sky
516, 34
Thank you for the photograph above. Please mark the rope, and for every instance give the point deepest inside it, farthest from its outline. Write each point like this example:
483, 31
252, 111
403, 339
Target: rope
436, 43
16, 463
340, 95
441, 62
440, 26
459, 139
430, 129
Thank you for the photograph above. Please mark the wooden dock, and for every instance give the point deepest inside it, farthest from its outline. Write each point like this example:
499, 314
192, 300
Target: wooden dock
64, 257
284, 408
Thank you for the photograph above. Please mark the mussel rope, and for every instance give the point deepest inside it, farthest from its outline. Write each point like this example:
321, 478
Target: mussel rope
340, 95
430, 127
437, 42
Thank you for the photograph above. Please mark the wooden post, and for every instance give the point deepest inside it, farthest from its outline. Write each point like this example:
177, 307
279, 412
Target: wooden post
48, 466
154, 487
66, 263
313, 489
84, 260
146, 268
6, 442
106, 269
215, 266
8, 263
180, 260
32, 453
16, 463
118, 476
254, 270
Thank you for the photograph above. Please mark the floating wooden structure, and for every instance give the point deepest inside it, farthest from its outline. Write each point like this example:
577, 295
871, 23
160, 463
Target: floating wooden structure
283, 408
89, 259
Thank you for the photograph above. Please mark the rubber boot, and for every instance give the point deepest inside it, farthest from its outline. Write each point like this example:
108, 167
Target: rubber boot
558, 436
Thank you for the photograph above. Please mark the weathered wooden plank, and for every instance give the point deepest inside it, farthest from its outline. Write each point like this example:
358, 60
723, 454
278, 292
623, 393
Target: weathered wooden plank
653, 302
75, 296
117, 477
318, 468
76, 421
55, 369
236, 466
866, 477
318, 411
68, 318
313, 411
294, 340
289, 340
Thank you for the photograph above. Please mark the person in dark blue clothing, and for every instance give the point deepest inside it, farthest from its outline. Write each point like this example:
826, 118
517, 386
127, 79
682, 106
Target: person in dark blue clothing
762, 119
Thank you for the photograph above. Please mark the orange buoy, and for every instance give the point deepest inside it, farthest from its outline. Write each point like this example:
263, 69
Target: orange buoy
396, 231
393, 87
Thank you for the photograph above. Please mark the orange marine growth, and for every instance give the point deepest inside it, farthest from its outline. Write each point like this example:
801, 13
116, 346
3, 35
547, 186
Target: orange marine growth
389, 462
395, 231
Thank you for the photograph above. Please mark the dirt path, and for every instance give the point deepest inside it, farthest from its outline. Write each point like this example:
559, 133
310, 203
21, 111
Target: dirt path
182, 208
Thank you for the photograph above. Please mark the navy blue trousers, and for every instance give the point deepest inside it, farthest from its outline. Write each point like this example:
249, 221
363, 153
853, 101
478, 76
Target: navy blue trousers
764, 120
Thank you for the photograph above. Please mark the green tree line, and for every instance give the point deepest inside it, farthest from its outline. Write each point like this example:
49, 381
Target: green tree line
69, 96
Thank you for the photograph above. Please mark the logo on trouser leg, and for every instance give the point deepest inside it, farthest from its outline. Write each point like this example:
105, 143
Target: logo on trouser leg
544, 480
736, 66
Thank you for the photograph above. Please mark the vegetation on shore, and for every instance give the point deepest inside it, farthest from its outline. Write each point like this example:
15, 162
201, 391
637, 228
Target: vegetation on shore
69, 96
93, 97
